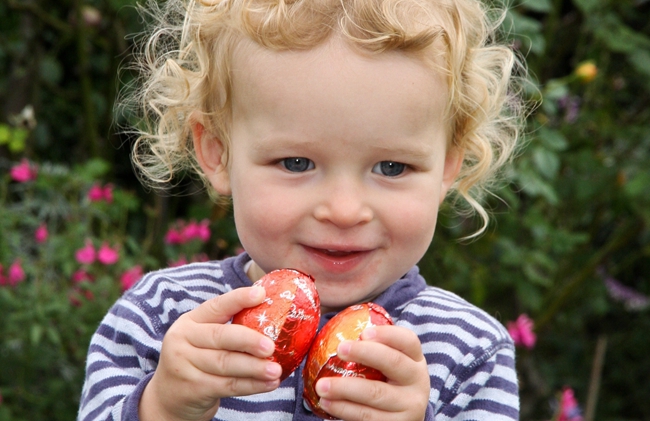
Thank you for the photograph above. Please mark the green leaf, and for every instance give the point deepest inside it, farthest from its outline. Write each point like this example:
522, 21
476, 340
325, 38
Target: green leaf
36, 333
546, 161
5, 134
50, 70
587, 6
619, 37
638, 185
552, 139
540, 6
640, 60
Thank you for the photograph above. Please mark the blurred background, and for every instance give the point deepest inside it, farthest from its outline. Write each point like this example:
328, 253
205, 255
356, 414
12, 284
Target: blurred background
565, 263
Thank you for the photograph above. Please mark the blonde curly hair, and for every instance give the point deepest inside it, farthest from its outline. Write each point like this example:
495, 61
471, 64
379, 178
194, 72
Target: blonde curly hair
185, 68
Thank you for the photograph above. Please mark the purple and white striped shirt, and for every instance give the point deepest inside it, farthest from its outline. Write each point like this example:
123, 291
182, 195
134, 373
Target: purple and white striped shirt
469, 354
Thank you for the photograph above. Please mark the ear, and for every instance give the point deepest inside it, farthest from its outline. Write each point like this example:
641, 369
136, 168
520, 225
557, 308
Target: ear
211, 156
453, 164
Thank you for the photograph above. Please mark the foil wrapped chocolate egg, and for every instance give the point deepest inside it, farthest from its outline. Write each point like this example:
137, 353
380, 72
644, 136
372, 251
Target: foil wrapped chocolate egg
323, 361
289, 316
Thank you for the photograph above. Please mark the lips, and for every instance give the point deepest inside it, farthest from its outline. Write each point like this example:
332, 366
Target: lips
337, 260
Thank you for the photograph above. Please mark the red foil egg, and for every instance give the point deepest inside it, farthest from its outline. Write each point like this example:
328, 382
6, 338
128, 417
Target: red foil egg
323, 361
289, 316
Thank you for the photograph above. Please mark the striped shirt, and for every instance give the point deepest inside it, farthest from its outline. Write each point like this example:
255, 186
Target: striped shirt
470, 355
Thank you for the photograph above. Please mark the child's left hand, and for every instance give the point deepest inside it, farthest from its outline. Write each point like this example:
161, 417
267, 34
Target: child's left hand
396, 352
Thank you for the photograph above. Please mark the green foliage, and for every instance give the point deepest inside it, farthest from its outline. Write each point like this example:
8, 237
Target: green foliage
573, 213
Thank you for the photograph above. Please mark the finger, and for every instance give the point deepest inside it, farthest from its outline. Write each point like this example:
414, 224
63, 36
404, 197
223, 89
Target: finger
360, 392
236, 365
397, 337
230, 337
220, 309
234, 386
394, 364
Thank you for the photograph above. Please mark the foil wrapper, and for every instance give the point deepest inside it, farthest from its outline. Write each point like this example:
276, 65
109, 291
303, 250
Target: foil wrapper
289, 316
323, 361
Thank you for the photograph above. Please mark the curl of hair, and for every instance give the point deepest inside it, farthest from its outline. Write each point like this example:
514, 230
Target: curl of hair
185, 63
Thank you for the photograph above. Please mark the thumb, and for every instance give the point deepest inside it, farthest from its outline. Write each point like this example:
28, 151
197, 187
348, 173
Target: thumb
220, 309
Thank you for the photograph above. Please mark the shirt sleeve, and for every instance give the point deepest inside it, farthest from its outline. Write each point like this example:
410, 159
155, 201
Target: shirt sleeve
486, 388
122, 356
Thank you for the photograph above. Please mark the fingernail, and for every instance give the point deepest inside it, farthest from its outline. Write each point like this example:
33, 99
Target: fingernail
266, 344
256, 293
324, 403
322, 387
273, 369
272, 384
369, 333
344, 348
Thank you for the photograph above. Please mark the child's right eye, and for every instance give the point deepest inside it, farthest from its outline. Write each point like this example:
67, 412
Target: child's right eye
297, 164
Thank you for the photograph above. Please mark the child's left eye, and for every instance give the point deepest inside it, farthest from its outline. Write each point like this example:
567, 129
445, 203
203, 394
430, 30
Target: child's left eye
389, 168
297, 164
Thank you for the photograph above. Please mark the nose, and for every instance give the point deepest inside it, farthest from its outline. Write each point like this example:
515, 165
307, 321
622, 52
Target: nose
343, 204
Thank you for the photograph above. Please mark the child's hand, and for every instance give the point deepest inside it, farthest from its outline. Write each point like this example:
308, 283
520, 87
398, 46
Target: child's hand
204, 359
397, 353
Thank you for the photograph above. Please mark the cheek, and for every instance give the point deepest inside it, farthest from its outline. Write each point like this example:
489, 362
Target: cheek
262, 213
414, 223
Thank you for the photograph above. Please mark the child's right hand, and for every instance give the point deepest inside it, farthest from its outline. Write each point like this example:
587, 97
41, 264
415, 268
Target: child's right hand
203, 359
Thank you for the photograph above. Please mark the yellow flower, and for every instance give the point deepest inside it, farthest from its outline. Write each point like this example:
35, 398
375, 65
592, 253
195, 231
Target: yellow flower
586, 71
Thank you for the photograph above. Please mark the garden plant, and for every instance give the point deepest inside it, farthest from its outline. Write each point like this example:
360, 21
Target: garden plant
564, 264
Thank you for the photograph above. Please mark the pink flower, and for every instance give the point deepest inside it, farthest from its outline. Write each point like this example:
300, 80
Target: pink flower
86, 255
107, 255
569, 409
521, 331
97, 193
130, 277
81, 276
23, 172
41, 234
15, 274
203, 230
174, 237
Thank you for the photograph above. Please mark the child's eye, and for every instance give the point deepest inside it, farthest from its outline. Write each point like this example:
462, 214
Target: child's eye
389, 168
297, 164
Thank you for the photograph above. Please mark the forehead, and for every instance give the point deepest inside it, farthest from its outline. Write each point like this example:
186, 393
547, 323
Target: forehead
338, 78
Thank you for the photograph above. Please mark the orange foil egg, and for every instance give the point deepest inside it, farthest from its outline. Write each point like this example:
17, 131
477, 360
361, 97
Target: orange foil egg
289, 316
323, 361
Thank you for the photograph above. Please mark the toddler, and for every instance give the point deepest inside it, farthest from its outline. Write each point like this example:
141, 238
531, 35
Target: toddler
336, 128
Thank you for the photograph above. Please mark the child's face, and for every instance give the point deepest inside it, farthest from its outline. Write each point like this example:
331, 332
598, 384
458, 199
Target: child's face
338, 164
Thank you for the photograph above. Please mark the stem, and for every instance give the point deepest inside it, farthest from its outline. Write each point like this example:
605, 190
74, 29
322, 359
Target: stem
40, 14
89, 128
619, 239
596, 375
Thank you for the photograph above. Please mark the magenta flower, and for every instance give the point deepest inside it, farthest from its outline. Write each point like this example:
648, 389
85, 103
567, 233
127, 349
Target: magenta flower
15, 274
97, 193
174, 237
81, 276
569, 409
521, 331
107, 255
86, 255
130, 277
23, 172
41, 234
203, 230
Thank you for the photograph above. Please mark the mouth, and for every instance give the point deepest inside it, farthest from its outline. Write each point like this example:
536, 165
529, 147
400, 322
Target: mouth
337, 259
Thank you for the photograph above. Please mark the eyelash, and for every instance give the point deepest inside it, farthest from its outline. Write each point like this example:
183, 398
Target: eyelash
389, 169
